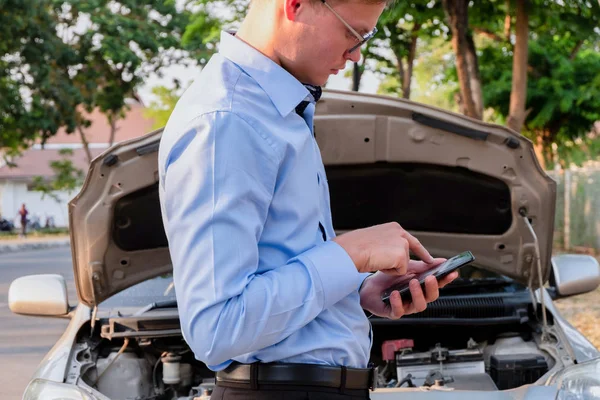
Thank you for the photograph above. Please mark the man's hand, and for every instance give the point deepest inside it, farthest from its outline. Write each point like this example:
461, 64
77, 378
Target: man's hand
382, 248
373, 286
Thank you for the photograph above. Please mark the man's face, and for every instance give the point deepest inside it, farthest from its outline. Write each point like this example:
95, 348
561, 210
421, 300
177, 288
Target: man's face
316, 43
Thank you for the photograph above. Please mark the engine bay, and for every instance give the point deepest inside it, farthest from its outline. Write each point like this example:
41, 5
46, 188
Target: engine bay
145, 356
165, 368
506, 362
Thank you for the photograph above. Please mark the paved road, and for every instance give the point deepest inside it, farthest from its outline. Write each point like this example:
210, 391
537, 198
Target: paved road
25, 340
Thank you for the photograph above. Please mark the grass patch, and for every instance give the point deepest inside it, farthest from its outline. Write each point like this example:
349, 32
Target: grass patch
40, 233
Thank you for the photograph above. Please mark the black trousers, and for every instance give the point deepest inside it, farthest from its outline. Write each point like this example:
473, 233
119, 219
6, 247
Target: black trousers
286, 392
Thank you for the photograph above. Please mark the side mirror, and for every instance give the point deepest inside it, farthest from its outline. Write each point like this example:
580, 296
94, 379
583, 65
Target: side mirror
39, 295
575, 274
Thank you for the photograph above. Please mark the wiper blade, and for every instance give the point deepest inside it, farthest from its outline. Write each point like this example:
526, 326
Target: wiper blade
156, 305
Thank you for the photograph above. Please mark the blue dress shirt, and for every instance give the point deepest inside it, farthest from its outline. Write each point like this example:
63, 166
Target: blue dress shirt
243, 192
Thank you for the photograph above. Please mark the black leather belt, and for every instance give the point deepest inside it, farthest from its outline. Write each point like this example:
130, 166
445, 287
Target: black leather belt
257, 374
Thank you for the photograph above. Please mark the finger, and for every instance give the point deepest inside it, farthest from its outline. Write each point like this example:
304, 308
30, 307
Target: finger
418, 299
447, 279
397, 308
402, 259
431, 289
417, 248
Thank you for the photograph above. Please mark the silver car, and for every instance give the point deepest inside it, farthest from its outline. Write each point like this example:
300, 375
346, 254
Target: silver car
456, 183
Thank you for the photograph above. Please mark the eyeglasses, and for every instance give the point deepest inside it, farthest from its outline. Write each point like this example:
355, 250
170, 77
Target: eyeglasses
362, 39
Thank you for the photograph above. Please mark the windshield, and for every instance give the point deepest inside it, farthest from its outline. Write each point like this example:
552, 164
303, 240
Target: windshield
149, 291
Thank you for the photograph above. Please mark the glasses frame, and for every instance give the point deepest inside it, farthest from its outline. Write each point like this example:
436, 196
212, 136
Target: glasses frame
362, 39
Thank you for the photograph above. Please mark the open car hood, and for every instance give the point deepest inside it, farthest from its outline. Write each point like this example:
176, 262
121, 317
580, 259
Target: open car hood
456, 183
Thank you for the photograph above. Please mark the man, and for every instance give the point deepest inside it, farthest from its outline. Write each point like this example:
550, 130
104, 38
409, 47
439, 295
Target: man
268, 295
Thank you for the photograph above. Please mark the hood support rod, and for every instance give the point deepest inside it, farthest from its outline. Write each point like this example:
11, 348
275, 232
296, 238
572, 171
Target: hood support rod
538, 262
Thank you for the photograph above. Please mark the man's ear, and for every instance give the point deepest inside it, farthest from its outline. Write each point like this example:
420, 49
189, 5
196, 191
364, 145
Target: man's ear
292, 8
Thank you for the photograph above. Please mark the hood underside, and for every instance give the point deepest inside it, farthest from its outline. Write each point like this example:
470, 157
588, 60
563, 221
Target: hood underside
454, 182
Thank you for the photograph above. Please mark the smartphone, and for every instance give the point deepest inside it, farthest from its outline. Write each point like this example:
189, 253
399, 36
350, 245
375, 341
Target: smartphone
439, 272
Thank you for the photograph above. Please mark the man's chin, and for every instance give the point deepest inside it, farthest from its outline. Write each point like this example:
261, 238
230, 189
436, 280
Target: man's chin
323, 81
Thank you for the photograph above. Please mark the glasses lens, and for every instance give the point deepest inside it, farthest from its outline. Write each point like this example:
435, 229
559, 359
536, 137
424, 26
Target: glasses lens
366, 38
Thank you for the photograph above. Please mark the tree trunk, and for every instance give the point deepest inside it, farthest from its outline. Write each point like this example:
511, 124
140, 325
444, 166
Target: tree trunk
412, 53
518, 94
538, 148
356, 77
112, 120
543, 145
401, 72
86, 145
474, 77
507, 21
466, 58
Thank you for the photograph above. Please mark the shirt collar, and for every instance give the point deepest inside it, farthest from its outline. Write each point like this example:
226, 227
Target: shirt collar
284, 90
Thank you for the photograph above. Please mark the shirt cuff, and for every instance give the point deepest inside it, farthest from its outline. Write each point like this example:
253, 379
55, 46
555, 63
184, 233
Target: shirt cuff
336, 271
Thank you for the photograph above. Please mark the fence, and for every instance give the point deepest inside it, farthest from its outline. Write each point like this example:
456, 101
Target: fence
577, 222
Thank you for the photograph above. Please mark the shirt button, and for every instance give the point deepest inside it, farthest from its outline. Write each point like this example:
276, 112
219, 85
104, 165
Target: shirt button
318, 178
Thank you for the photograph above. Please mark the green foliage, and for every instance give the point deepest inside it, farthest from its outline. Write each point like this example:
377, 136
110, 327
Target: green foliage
66, 177
59, 55
563, 94
430, 85
38, 233
161, 109
36, 97
207, 21
126, 42
398, 26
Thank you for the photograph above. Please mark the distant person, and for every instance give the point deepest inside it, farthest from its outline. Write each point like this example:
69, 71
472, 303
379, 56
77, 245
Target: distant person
49, 222
23, 212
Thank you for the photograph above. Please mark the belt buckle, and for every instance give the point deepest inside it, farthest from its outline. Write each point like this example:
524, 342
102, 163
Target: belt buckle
372, 376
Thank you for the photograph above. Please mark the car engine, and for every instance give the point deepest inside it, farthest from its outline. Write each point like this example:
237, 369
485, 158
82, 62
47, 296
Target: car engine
507, 363
149, 360
155, 368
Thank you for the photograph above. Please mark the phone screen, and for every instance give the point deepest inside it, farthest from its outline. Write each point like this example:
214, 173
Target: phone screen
452, 264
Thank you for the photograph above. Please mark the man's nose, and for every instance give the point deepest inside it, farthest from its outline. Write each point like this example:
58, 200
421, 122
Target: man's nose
354, 56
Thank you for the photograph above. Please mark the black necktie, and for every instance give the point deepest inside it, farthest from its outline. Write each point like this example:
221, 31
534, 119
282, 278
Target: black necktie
315, 93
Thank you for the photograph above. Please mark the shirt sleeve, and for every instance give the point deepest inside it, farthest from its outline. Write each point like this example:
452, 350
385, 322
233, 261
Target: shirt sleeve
219, 179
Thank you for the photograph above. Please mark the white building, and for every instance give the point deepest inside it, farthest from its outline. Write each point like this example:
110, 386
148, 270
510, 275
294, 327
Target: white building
16, 181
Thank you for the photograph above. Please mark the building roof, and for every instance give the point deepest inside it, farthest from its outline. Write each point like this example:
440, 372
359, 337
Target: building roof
36, 162
133, 125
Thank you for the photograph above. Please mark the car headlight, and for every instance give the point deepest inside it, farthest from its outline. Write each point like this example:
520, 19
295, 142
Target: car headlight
42, 389
579, 382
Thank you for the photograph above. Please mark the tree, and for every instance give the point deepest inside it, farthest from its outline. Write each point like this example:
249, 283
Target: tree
518, 94
430, 83
402, 26
563, 98
160, 110
122, 45
467, 65
210, 17
36, 94
563, 85
66, 177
